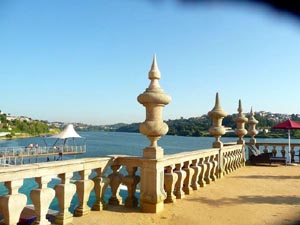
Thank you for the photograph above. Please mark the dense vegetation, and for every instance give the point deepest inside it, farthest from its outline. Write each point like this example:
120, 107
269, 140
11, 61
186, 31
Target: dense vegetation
23, 127
199, 126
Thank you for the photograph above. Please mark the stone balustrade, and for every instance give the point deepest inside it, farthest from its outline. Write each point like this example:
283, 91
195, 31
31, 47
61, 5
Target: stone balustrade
189, 171
182, 174
280, 149
12, 203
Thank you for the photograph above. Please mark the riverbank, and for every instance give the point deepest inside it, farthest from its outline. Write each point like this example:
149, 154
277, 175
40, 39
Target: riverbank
264, 195
26, 135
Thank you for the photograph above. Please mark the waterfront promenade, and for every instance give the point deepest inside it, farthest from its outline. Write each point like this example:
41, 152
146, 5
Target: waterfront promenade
252, 195
204, 186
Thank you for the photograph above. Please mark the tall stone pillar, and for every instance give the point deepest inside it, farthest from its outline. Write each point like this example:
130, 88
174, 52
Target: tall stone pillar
240, 120
217, 114
252, 129
152, 174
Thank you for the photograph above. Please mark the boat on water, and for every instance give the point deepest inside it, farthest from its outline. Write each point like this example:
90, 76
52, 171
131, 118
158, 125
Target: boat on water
56, 146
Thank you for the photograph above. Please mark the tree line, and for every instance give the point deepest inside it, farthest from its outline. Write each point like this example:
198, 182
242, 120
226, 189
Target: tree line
199, 126
31, 127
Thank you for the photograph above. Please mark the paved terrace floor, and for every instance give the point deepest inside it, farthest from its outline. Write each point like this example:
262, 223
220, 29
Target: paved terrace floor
257, 195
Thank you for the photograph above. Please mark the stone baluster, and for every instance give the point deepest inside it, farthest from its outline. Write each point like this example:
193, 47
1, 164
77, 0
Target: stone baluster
154, 99
214, 162
41, 199
274, 151
241, 159
194, 183
170, 180
252, 129
293, 153
115, 180
12, 204
230, 162
209, 165
203, 169
234, 160
84, 186
266, 149
240, 120
220, 169
181, 174
237, 158
100, 186
226, 161
131, 180
282, 150
217, 114
64, 193
188, 179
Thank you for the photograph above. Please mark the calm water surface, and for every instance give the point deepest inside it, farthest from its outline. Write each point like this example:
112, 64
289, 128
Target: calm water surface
106, 143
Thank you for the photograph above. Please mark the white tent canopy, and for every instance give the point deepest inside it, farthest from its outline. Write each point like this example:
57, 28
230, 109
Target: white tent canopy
68, 132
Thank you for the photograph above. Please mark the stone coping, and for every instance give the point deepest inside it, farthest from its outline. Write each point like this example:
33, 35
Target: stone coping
51, 168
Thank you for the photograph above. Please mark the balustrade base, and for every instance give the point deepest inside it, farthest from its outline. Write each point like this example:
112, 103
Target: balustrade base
202, 184
99, 206
79, 211
208, 181
152, 208
170, 200
63, 219
179, 195
114, 201
131, 203
45, 222
213, 178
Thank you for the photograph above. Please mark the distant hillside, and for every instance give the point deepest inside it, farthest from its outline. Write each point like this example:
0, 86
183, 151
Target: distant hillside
199, 126
133, 128
18, 127
113, 127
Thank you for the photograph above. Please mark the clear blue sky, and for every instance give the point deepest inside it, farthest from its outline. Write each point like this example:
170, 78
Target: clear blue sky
87, 61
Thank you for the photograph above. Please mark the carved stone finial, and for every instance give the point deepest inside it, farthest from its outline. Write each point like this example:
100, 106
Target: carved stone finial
240, 120
240, 109
252, 130
154, 72
154, 99
217, 114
